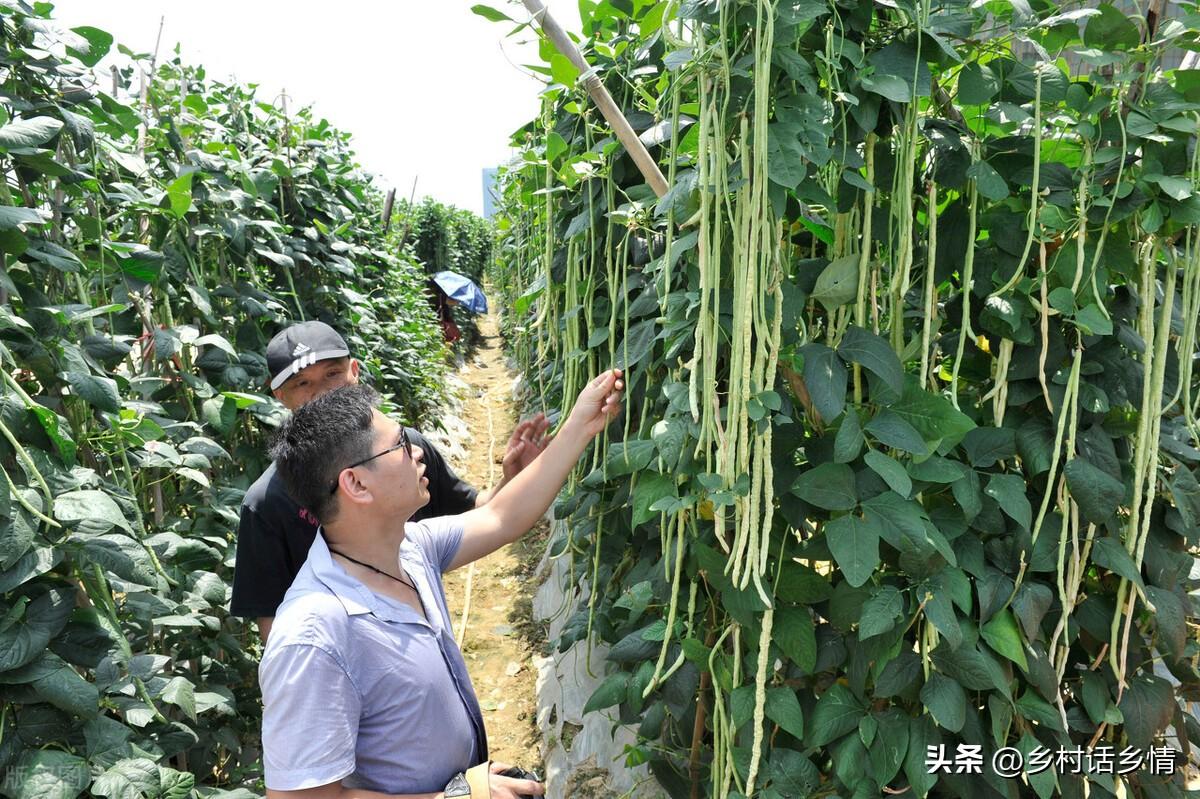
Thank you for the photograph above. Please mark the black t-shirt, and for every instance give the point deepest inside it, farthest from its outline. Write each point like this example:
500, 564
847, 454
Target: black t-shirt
275, 533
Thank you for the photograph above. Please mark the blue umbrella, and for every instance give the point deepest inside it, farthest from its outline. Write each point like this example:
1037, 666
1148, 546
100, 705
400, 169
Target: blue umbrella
463, 290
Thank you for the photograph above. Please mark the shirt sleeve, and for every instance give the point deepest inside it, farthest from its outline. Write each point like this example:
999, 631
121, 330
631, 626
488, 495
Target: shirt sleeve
448, 493
439, 538
260, 574
310, 718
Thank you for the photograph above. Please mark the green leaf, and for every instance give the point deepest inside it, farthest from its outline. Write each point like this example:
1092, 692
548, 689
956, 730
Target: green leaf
825, 378
98, 44
650, 487
988, 181
849, 439
99, 392
891, 471
1097, 492
1034, 708
783, 708
563, 71
837, 283
829, 486
1147, 705
891, 744
1009, 492
794, 634
894, 431
921, 734
837, 712
175, 784
854, 543
179, 194
874, 354
180, 692
636, 346
987, 445
1092, 321
1111, 30
932, 415
977, 84
47, 774
611, 692
801, 584
627, 457
16, 218
791, 773
29, 133
946, 700
1002, 635
1112, 555
491, 14
880, 612
131, 778
95, 507
892, 87
66, 690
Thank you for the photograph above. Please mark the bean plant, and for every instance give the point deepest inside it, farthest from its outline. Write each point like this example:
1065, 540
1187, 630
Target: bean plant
909, 457
152, 241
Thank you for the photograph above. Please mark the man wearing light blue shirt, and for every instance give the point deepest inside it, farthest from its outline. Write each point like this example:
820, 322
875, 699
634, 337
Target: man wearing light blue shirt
365, 692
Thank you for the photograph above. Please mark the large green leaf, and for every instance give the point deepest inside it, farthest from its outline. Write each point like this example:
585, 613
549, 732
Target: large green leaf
47, 774
794, 634
784, 709
946, 700
96, 508
933, 416
1009, 492
829, 486
874, 354
825, 378
1112, 555
131, 778
880, 612
891, 471
837, 712
837, 283
100, 392
854, 542
1111, 30
96, 45
1097, 492
24, 134
1002, 635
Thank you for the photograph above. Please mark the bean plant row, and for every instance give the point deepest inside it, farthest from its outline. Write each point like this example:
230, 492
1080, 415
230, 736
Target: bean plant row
909, 457
154, 234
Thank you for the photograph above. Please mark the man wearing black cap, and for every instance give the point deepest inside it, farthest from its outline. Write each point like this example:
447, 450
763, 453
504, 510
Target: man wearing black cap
305, 361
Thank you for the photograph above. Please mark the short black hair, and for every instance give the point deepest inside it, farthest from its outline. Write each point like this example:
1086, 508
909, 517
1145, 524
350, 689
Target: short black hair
324, 435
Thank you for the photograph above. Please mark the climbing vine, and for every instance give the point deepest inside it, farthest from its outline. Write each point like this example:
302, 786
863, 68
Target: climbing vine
910, 451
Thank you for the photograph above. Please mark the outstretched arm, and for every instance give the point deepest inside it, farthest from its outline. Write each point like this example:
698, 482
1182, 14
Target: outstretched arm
521, 502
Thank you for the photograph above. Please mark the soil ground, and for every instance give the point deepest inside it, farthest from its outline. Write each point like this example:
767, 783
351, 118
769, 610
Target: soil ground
501, 637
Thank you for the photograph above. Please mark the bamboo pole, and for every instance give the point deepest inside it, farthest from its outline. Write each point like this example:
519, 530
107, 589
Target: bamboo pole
604, 101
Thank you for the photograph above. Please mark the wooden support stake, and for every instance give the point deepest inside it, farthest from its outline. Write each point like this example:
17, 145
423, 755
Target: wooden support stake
604, 101
387, 210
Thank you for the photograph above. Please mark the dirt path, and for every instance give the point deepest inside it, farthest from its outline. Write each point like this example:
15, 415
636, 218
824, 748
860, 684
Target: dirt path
501, 638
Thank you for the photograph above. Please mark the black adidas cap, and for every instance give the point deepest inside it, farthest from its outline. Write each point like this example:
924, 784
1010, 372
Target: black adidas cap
302, 345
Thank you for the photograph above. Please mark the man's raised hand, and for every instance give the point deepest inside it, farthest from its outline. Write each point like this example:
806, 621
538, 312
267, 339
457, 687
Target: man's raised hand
527, 441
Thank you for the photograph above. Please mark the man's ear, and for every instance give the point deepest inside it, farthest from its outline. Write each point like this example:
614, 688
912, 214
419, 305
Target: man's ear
353, 490
354, 369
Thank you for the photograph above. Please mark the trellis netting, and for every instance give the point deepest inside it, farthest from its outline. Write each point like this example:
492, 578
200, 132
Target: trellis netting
908, 467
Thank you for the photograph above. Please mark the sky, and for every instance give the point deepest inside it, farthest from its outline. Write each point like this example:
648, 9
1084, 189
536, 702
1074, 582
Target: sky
429, 91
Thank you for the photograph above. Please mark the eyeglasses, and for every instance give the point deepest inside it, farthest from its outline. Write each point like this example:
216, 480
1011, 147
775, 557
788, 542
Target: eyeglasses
404, 443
